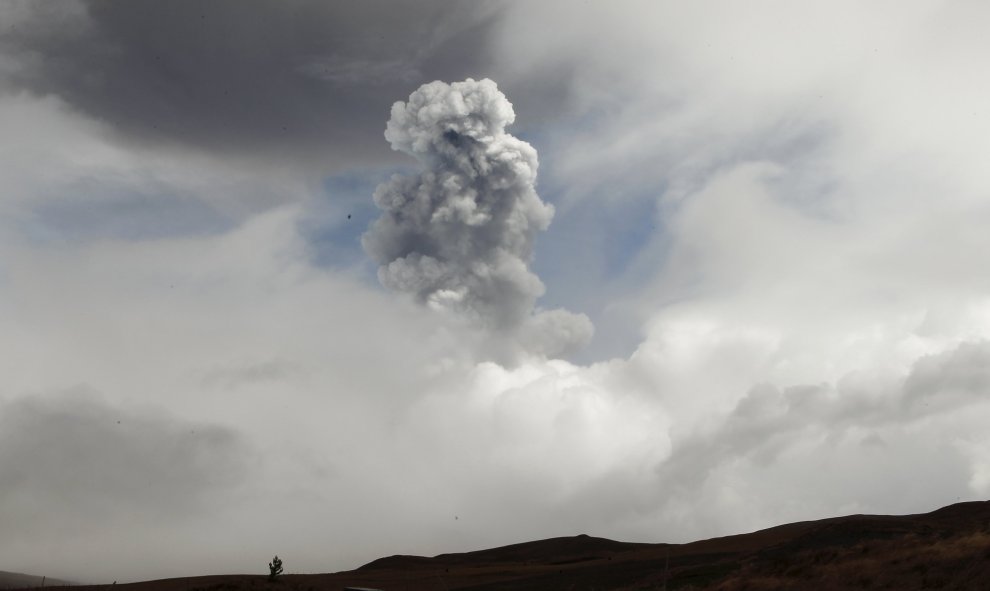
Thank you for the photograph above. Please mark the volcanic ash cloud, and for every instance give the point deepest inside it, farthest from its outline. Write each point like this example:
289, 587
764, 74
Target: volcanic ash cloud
459, 235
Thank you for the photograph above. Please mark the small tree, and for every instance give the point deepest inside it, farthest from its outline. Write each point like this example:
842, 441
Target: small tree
275, 568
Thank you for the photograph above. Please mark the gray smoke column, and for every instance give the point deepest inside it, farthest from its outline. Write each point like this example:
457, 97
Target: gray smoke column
459, 235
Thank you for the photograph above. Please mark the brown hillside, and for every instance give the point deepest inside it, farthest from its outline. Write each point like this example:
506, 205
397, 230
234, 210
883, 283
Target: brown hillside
945, 549
18, 580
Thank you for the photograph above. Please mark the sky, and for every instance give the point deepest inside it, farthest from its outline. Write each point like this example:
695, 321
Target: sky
337, 281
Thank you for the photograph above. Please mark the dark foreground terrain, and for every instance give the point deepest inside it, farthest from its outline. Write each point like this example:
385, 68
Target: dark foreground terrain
18, 580
946, 549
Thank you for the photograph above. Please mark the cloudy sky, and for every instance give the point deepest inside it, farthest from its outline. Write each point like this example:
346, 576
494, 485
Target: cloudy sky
250, 305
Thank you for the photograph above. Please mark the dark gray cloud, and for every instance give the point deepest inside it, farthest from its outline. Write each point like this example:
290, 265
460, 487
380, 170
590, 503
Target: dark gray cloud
73, 461
460, 235
296, 79
948, 380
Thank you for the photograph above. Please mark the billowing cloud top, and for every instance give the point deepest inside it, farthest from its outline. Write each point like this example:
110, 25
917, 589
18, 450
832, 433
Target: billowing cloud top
459, 235
477, 110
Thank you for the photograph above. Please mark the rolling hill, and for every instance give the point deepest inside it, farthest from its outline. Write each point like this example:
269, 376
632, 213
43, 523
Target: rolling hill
20, 580
945, 549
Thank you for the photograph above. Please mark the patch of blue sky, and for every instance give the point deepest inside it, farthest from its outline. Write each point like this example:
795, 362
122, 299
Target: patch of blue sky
100, 211
596, 253
335, 221
600, 248
609, 234
546, 136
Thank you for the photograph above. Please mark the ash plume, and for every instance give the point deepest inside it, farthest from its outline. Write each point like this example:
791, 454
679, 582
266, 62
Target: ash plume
459, 235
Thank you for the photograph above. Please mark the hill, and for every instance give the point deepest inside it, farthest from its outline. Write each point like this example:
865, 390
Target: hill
945, 549
19, 580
